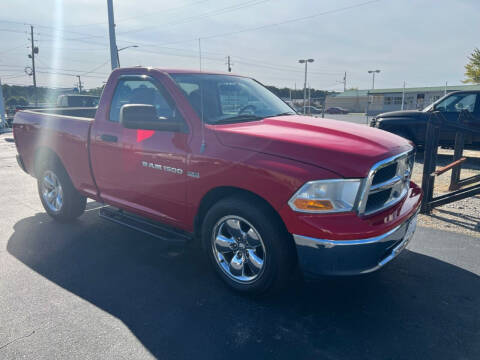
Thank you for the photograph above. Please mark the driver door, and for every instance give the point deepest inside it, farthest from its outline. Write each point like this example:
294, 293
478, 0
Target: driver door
142, 171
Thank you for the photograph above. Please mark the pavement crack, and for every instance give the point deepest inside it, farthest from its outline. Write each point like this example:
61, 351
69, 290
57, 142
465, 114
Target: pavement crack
17, 339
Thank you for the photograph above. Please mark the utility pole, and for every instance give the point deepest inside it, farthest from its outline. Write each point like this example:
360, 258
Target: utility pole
3, 121
403, 95
445, 91
373, 72
229, 64
34, 50
345, 82
111, 31
200, 53
79, 84
309, 99
305, 61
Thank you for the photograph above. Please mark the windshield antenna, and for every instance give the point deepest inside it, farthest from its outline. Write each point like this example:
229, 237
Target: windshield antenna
202, 146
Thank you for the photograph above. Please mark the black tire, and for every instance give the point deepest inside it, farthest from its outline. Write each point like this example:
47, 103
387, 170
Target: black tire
279, 255
73, 203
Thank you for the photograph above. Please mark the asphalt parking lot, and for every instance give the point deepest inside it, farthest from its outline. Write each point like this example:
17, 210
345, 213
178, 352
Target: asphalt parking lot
95, 290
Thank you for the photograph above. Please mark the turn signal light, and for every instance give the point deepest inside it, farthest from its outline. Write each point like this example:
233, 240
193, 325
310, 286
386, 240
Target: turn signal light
307, 204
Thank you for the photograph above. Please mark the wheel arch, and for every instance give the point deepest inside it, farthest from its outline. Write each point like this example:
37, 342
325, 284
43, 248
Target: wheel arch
222, 192
43, 155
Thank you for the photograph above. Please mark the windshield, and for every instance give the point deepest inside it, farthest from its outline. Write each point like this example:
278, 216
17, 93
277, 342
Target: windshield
430, 107
225, 98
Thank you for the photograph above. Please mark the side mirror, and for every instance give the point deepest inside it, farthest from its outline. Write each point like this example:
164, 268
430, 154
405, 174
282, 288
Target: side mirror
144, 117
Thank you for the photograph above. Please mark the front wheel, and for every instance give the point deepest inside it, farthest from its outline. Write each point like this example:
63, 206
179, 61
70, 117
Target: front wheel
59, 198
247, 246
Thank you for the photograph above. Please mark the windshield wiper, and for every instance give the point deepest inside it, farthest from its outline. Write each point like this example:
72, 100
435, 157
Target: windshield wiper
284, 114
238, 118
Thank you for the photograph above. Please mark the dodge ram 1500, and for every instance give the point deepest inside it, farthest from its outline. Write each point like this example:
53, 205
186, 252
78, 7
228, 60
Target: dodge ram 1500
219, 159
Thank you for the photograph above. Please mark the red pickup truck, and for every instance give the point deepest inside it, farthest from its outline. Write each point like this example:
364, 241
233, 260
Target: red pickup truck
218, 158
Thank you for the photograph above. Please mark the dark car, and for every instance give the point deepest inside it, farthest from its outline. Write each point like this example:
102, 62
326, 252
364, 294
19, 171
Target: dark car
336, 110
309, 110
412, 124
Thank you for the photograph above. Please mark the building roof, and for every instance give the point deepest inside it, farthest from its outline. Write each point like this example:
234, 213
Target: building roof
356, 93
425, 89
351, 93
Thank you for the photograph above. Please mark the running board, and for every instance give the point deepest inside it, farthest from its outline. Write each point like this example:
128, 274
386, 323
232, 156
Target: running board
145, 226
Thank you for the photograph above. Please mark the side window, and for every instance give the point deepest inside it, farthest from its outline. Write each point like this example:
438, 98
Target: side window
138, 91
457, 103
466, 103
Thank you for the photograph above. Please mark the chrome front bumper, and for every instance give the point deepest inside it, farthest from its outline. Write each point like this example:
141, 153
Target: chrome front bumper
352, 257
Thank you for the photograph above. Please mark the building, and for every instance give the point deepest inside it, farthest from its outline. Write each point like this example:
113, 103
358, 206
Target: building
352, 100
379, 101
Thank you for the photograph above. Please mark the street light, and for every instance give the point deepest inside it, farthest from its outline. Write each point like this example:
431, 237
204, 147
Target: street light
373, 76
126, 47
305, 61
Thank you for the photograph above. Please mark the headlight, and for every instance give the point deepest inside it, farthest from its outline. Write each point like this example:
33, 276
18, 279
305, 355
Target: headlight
326, 196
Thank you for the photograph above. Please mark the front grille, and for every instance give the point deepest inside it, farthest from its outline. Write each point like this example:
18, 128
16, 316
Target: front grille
385, 173
387, 183
377, 200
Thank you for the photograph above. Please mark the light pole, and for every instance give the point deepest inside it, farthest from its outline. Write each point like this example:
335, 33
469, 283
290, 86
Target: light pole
305, 61
126, 47
373, 76
3, 121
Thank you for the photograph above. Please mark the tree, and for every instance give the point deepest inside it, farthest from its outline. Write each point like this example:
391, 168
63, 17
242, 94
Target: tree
16, 100
11, 101
22, 101
472, 69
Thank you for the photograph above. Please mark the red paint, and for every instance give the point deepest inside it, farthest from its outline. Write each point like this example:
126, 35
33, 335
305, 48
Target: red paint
271, 158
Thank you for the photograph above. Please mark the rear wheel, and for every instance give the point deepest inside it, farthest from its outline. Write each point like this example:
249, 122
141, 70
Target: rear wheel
247, 246
59, 198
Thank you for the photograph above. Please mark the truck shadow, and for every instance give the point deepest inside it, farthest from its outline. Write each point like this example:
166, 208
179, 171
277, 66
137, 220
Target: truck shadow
418, 307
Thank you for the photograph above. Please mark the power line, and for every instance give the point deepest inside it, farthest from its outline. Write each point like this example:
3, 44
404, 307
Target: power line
250, 62
69, 74
303, 18
95, 68
13, 31
142, 15
11, 49
161, 11
47, 70
205, 15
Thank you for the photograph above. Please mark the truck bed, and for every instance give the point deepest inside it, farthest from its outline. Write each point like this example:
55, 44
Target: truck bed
66, 132
80, 112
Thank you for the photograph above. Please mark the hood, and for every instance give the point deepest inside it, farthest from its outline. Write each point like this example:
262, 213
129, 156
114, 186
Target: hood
404, 113
349, 150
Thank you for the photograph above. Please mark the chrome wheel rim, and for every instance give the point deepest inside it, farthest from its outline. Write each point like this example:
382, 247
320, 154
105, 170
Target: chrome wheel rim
238, 249
52, 192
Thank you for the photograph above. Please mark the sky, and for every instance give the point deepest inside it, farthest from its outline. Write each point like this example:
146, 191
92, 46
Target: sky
421, 42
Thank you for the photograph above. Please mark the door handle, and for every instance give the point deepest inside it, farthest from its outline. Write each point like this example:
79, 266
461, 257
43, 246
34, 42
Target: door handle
108, 138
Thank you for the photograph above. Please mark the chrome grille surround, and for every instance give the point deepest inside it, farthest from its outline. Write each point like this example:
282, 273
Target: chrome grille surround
391, 190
